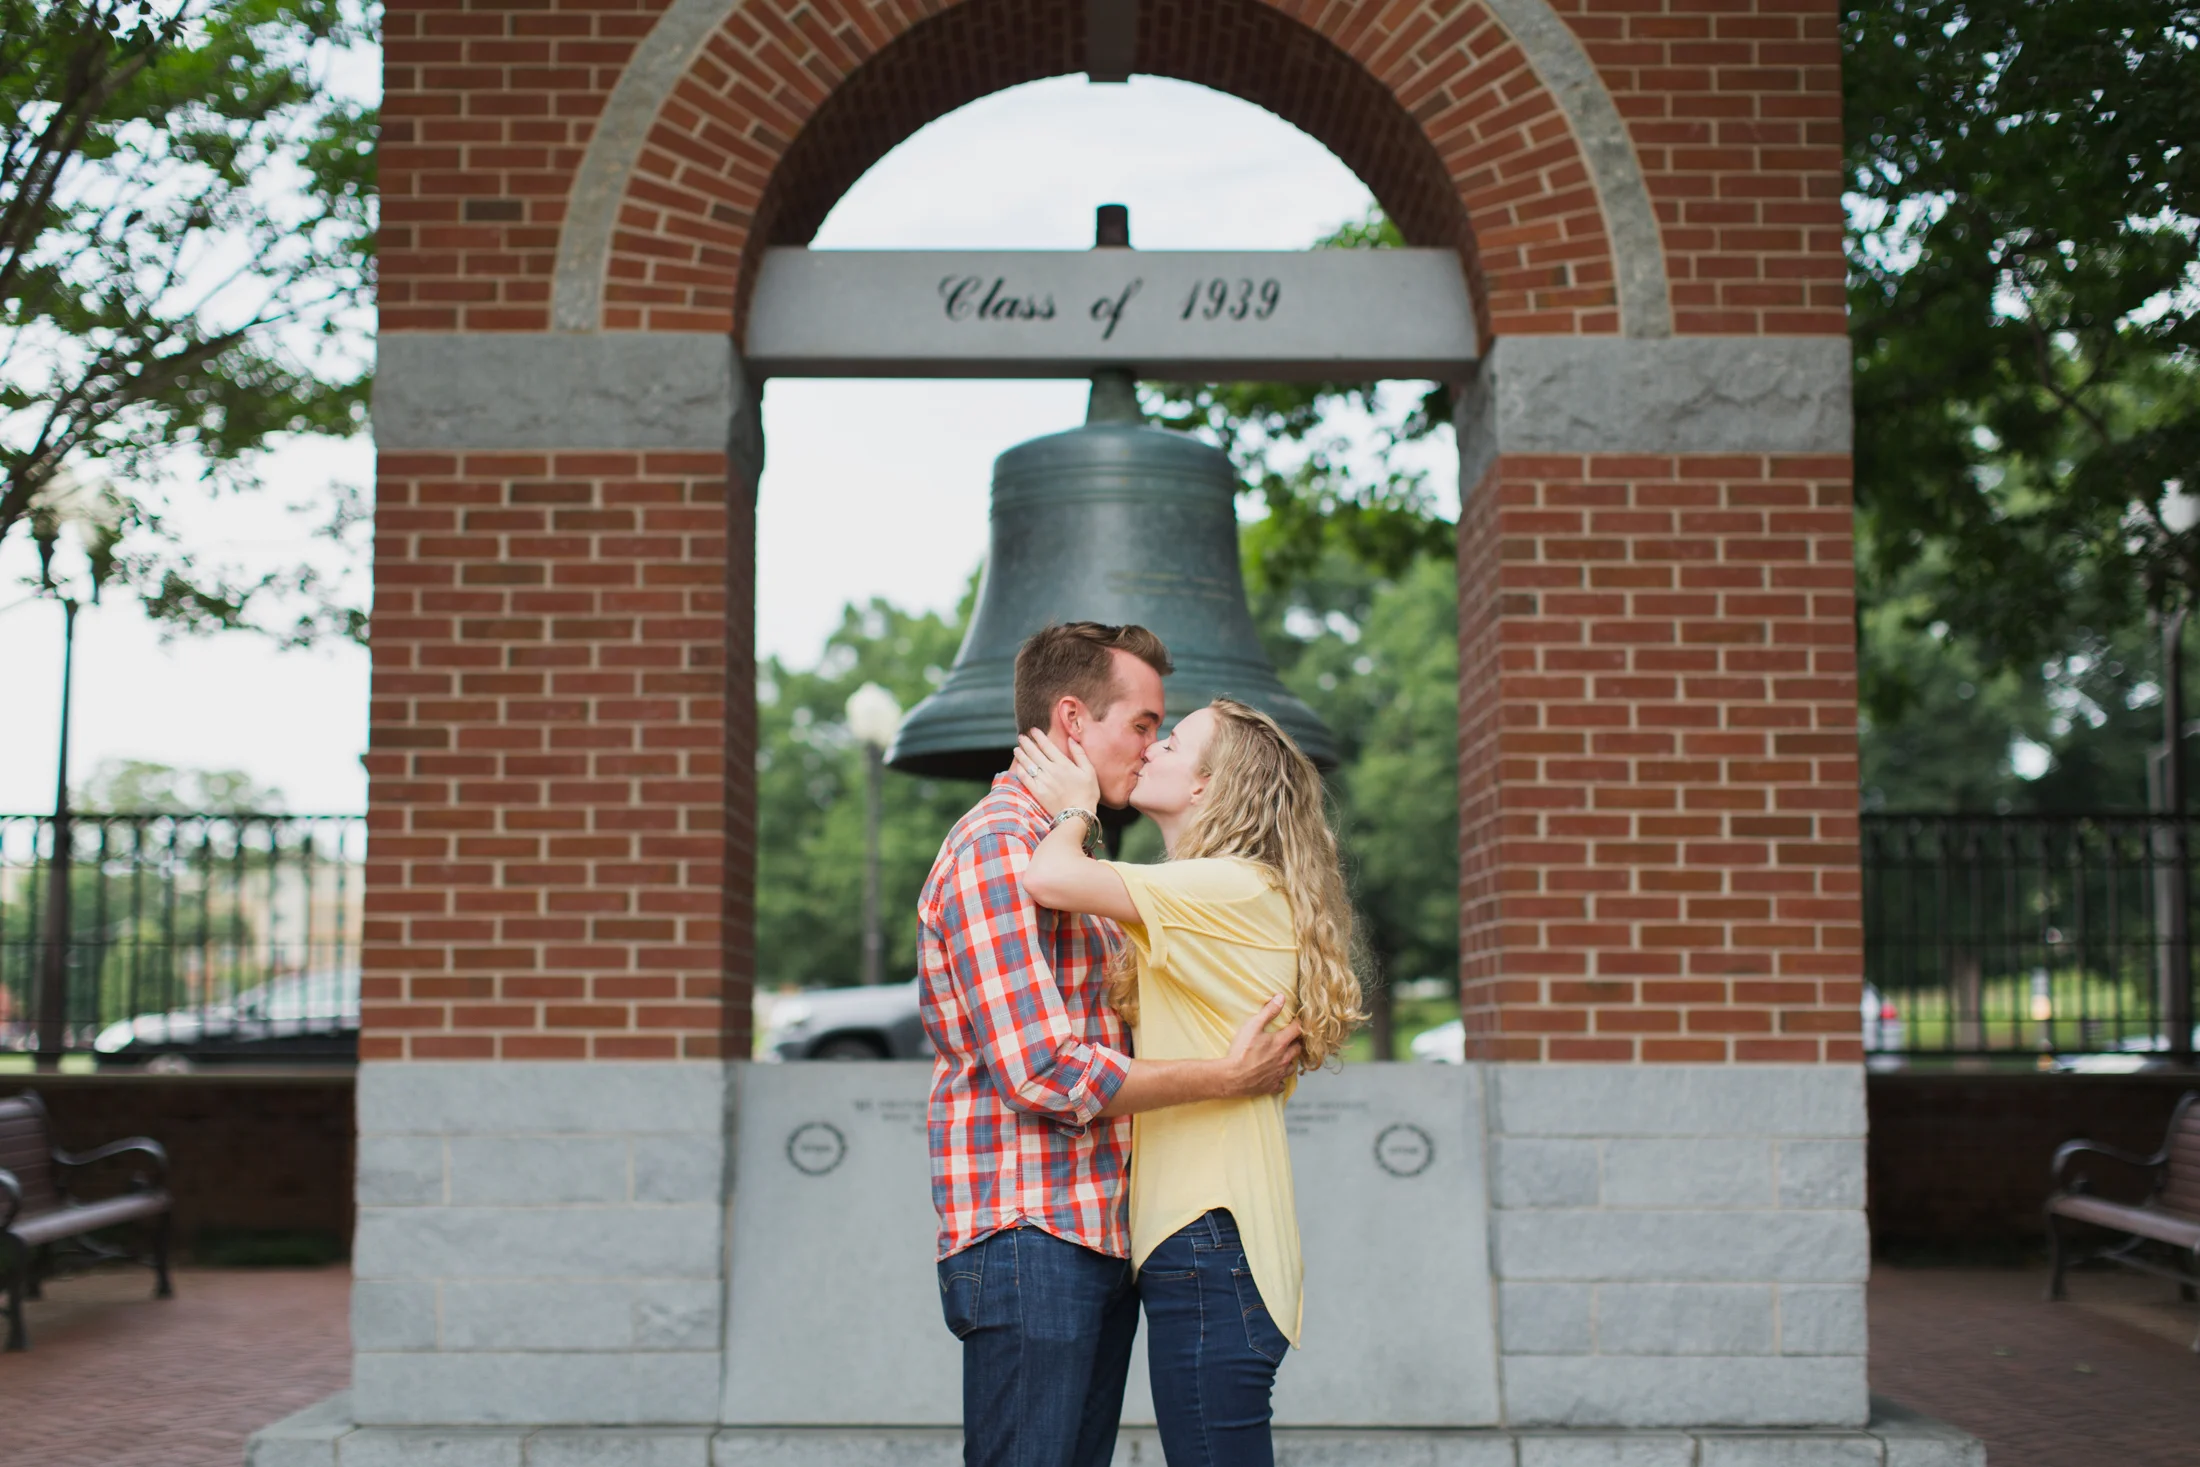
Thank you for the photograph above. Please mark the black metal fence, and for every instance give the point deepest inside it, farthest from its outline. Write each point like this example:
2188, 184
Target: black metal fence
1982, 934
233, 935
2064, 934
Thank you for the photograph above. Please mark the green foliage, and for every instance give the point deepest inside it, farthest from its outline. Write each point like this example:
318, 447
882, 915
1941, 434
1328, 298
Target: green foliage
810, 801
2025, 307
1383, 672
137, 787
2093, 714
1293, 460
186, 244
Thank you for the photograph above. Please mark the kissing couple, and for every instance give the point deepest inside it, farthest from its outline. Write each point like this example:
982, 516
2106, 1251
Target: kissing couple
1116, 1043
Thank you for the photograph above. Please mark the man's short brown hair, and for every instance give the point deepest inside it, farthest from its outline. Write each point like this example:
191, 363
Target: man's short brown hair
1075, 660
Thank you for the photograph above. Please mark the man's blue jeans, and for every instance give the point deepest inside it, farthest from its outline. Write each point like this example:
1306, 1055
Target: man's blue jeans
1046, 1329
1212, 1347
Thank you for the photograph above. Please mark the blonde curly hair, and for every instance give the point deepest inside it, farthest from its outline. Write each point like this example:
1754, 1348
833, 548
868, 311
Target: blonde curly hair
1264, 803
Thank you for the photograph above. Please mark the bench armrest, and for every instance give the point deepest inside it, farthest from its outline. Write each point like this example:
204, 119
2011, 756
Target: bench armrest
145, 1144
2069, 1149
11, 1199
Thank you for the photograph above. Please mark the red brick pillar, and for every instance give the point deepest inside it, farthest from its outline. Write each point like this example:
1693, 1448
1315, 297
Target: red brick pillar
551, 755
1658, 730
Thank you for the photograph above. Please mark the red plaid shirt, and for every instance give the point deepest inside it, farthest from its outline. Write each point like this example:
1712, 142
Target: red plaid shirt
1014, 1000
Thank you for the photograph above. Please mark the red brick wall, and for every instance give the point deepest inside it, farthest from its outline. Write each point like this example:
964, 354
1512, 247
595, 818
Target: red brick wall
1734, 107
246, 1153
551, 757
1658, 738
1960, 1162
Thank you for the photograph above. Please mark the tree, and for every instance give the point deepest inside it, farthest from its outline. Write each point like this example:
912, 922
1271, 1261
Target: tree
2025, 308
2072, 733
1385, 678
186, 250
809, 780
138, 787
1291, 457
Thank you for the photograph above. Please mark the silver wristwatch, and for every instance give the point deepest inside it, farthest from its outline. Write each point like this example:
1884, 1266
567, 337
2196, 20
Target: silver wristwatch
1092, 825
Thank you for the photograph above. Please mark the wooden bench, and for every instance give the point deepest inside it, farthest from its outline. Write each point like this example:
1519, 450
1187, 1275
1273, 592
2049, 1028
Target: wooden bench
36, 1210
2161, 1234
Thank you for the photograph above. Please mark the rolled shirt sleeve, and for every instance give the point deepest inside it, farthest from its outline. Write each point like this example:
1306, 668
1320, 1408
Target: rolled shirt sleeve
1034, 1052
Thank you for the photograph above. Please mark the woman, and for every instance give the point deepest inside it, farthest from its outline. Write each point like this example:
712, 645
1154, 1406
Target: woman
1249, 905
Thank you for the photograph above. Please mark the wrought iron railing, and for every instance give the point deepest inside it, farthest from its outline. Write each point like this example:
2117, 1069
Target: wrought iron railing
187, 937
234, 933
2050, 934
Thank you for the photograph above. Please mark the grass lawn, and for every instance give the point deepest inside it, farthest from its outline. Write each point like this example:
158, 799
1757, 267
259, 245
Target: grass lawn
23, 1064
1413, 1016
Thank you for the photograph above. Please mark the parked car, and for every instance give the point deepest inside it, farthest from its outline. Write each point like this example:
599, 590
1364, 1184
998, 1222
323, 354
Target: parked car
304, 1018
1446, 1044
864, 1023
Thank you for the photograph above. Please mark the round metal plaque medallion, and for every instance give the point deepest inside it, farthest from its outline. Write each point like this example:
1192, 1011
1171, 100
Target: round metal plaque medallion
1404, 1150
816, 1148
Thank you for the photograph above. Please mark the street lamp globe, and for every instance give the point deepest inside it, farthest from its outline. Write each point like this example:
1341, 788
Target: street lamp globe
873, 716
92, 514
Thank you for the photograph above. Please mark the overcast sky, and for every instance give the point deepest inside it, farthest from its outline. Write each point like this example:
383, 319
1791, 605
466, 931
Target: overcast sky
871, 488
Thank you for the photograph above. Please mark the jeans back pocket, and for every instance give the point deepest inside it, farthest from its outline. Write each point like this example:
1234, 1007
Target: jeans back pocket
962, 1284
1261, 1334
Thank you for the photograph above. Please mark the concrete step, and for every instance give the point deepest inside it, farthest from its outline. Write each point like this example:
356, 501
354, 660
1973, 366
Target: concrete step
322, 1435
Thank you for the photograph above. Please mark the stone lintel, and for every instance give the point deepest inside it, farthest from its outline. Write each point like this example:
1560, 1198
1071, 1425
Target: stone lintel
1532, 395
1683, 394
677, 390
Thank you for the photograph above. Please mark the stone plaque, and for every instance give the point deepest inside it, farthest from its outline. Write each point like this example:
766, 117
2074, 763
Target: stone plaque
1318, 315
1393, 1202
833, 1307
833, 1312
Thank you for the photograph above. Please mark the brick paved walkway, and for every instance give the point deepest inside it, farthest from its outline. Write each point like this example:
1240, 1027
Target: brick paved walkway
2105, 1380
117, 1378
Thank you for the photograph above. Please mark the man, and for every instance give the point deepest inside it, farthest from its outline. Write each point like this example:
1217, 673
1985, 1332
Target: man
1029, 1126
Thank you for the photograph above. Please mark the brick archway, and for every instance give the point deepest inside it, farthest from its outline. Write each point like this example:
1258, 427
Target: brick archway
1661, 951
1454, 129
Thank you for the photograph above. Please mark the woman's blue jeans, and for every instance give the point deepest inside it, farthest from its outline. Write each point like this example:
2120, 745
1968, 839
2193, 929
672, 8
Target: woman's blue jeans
1211, 1346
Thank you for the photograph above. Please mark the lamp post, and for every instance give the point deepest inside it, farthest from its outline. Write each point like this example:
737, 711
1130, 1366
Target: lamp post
94, 516
53, 977
2176, 911
874, 718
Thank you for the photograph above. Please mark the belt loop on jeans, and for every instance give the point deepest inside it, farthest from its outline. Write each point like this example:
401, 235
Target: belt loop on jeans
1214, 1226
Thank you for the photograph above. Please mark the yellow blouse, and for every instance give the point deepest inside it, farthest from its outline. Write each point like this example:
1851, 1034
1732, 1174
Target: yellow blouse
1214, 943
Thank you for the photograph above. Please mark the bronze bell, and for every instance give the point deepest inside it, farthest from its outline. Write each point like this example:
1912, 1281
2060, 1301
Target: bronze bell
1113, 522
